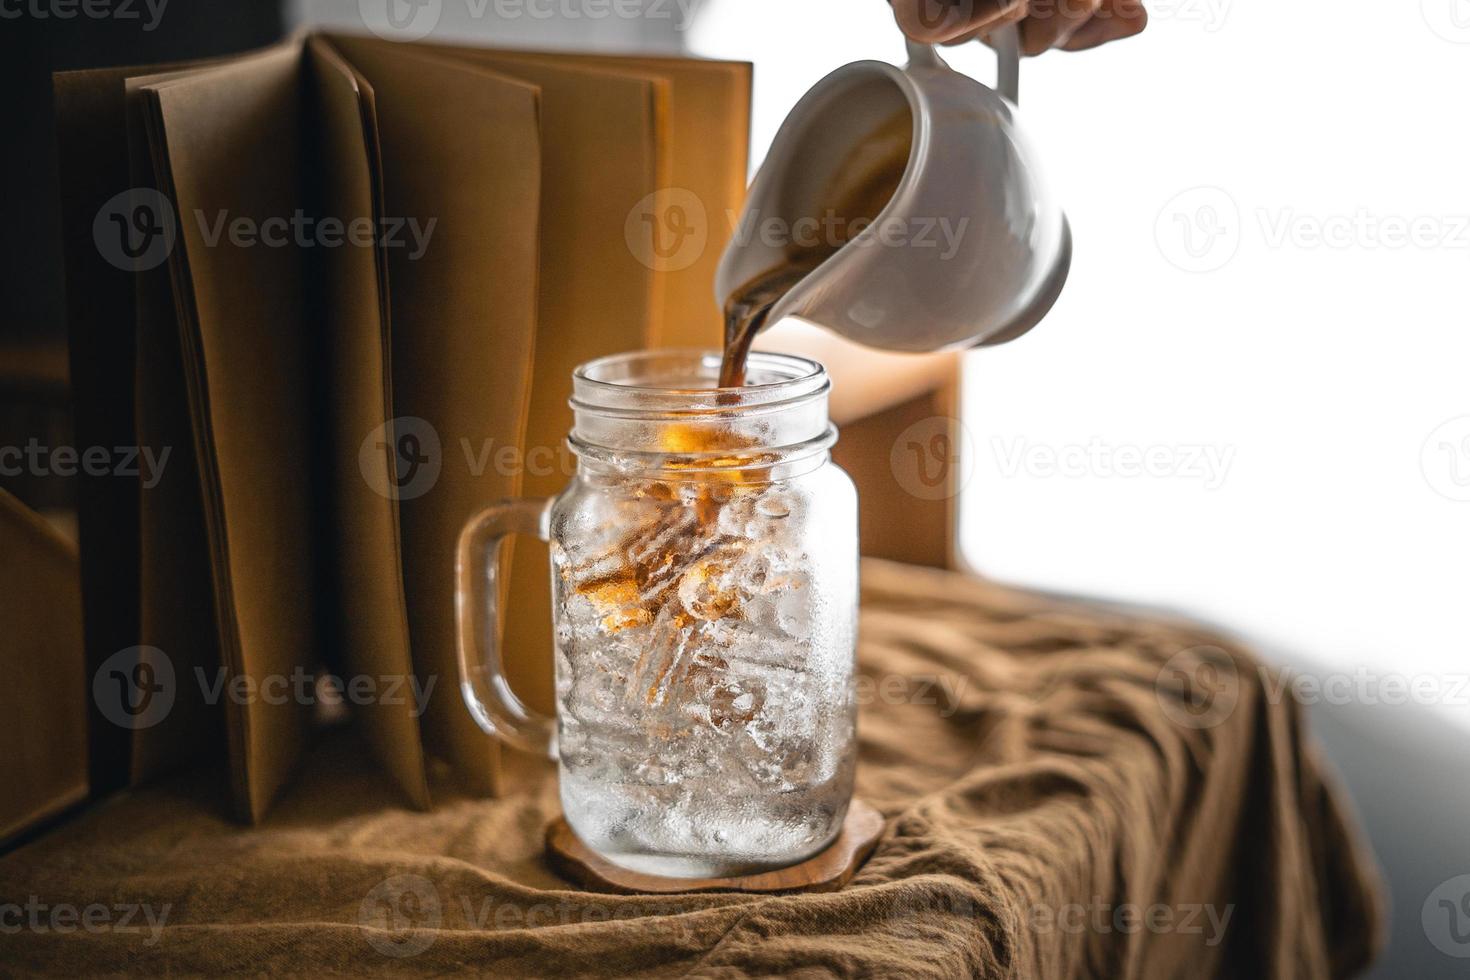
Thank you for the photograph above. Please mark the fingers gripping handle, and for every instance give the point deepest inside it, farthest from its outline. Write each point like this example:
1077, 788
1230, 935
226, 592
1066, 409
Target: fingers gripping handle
1007, 43
482, 678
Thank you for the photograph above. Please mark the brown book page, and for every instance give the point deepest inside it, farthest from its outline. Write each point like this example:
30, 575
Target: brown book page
232, 139
601, 132
708, 148
460, 147
175, 588
127, 386
369, 624
44, 697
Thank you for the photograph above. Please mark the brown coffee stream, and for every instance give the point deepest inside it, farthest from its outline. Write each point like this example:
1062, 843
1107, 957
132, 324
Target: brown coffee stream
859, 188
746, 313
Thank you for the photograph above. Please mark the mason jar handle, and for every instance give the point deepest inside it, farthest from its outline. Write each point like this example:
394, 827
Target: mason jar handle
482, 679
1007, 43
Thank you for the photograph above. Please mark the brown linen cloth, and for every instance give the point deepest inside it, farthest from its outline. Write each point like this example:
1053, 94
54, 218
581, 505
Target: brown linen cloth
1059, 806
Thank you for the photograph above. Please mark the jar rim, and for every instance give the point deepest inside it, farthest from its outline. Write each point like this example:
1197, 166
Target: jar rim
638, 410
664, 381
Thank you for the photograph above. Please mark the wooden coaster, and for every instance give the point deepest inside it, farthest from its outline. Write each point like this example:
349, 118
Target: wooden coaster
827, 871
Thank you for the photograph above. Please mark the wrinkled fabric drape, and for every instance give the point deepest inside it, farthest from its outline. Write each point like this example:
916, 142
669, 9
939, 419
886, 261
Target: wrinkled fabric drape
1071, 791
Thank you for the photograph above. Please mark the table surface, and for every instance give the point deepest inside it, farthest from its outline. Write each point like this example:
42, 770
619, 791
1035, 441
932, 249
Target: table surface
1070, 791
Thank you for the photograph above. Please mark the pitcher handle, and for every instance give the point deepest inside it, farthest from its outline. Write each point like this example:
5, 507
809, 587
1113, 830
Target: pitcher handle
482, 679
1006, 40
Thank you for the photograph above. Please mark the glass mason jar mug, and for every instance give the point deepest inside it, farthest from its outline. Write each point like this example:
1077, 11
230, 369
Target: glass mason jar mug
704, 591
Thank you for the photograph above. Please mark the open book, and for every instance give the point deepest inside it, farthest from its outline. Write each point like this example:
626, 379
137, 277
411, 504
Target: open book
333, 292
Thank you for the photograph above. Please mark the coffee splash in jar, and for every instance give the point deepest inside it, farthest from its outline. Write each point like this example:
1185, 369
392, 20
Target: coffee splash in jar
858, 190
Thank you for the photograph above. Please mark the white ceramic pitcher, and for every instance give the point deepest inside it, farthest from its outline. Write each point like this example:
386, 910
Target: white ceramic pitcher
986, 277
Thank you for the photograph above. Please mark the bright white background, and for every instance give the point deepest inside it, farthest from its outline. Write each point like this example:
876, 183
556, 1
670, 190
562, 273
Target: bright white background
1318, 371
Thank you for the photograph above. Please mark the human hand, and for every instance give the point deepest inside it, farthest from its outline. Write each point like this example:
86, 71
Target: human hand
1072, 25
